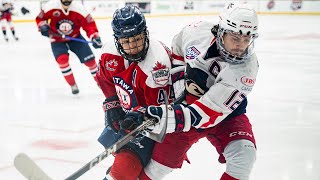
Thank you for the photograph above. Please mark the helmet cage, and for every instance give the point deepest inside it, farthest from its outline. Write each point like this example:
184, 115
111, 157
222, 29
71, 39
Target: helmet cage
129, 22
238, 20
138, 57
228, 56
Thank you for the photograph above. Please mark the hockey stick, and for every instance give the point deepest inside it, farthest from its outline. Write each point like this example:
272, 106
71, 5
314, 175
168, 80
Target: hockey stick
29, 169
120, 143
160, 137
123, 141
76, 39
70, 38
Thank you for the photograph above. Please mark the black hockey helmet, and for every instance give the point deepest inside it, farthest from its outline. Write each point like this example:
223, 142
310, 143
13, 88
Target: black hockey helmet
129, 22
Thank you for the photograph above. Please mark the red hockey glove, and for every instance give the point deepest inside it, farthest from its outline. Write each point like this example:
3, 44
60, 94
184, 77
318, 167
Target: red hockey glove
133, 119
44, 29
114, 113
96, 42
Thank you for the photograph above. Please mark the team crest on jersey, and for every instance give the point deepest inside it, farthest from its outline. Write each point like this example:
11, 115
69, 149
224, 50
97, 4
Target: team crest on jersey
56, 13
192, 52
65, 26
160, 74
124, 92
111, 65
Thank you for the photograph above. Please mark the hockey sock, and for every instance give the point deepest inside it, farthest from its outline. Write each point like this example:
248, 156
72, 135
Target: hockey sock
13, 32
63, 61
226, 176
126, 166
4, 32
92, 65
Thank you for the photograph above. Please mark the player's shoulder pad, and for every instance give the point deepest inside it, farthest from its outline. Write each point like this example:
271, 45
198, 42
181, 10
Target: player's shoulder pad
109, 47
79, 8
51, 5
198, 27
196, 39
245, 74
156, 65
156, 53
249, 67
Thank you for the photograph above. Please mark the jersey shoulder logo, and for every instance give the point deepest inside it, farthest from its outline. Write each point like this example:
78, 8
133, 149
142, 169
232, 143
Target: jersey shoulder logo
247, 81
192, 52
160, 74
56, 13
111, 65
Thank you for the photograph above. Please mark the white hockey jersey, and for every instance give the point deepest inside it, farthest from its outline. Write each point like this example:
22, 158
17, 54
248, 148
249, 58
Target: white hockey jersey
215, 89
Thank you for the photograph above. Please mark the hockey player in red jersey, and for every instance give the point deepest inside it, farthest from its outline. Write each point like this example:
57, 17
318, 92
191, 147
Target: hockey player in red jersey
220, 71
6, 19
61, 18
133, 72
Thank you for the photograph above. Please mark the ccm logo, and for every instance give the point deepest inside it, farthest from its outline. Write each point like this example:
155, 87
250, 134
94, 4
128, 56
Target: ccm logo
240, 133
247, 81
245, 26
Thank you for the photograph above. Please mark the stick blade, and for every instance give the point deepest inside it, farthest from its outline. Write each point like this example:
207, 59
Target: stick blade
28, 168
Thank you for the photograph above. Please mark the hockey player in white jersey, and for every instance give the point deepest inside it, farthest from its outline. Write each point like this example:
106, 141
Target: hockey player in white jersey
220, 71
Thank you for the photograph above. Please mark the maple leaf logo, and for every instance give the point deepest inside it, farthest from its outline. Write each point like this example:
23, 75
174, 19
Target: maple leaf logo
159, 66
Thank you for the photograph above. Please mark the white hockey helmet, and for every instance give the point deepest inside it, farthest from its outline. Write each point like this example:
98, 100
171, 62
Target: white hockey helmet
241, 19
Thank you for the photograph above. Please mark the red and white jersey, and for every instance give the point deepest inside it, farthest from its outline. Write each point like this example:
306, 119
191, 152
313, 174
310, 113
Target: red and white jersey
6, 9
136, 83
66, 22
215, 88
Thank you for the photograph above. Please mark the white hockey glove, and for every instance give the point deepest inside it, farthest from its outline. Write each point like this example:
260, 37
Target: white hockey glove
159, 112
176, 121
